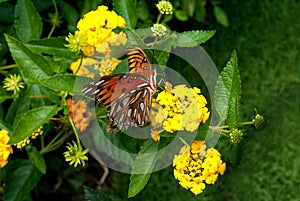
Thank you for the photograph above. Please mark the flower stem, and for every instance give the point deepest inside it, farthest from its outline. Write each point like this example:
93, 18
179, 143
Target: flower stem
38, 96
56, 15
54, 144
8, 67
184, 142
81, 58
158, 18
74, 129
246, 123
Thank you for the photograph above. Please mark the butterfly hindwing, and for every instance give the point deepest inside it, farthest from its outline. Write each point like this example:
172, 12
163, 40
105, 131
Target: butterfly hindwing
133, 109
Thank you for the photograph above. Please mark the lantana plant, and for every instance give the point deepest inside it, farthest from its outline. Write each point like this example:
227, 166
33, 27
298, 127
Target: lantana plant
40, 92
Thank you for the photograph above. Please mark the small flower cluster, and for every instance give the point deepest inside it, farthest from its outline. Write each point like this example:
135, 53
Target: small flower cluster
80, 115
258, 121
75, 154
95, 30
164, 7
5, 149
178, 108
13, 83
196, 166
236, 136
159, 30
26, 141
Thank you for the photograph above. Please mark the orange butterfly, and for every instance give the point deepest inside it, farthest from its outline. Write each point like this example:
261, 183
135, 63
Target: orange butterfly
129, 95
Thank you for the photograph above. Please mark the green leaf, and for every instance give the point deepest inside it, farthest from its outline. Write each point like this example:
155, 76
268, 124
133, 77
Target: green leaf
221, 16
193, 38
127, 9
38, 90
143, 10
31, 121
32, 66
3, 95
64, 82
201, 11
95, 195
52, 46
18, 107
228, 92
37, 158
181, 15
143, 167
28, 22
22, 178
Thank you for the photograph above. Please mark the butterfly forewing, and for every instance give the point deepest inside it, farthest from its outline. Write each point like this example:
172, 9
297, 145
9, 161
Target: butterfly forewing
102, 88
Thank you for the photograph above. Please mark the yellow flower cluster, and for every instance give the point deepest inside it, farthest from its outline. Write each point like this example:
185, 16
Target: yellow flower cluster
26, 141
178, 108
96, 29
107, 66
5, 149
196, 166
80, 115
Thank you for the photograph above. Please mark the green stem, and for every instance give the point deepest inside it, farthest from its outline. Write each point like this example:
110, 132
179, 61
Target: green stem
246, 123
184, 142
220, 129
75, 131
81, 58
158, 18
56, 16
38, 96
54, 144
8, 67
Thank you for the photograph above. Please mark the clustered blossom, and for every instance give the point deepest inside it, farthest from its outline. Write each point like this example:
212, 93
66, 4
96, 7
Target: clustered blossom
5, 149
178, 108
13, 83
195, 166
107, 66
95, 29
26, 141
159, 30
258, 121
236, 136
80, 115
75, 154
95, 34
165, 7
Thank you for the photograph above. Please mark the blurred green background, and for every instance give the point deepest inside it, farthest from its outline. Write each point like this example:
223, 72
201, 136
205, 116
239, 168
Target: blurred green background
266, 35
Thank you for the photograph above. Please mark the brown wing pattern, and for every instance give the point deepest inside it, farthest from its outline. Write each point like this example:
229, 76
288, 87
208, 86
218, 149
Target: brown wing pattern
133, 109
102, 88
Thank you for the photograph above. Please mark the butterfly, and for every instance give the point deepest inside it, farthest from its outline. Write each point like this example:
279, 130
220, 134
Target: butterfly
129, 96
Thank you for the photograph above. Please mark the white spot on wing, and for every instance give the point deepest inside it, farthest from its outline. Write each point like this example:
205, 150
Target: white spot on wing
142, 106
142, 85
96, 91
86, 90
